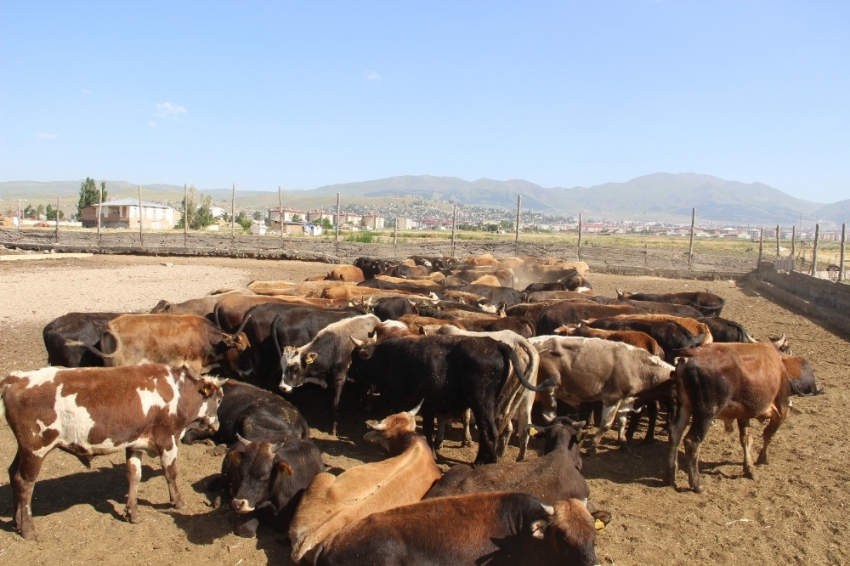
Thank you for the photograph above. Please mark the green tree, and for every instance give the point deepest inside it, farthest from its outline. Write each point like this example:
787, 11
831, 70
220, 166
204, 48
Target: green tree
326, 224
245, 221
29, 211
89, 195
50, 213
200, 215
296, 218
39, 210
258, 215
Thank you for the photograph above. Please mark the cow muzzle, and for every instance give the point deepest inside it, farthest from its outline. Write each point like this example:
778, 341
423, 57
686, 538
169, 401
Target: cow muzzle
241, 506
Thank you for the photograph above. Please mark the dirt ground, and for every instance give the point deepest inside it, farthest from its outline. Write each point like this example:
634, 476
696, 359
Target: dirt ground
795, 512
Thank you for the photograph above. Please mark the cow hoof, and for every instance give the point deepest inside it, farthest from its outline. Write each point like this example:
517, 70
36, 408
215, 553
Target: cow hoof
762, 461
248, 529
29, 534
750, 474
133, 517
179, 504
216, 503
466, 443
591, 452
697, 488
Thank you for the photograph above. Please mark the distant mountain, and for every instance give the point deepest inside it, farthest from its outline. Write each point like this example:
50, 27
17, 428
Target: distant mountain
838, 212
659, 196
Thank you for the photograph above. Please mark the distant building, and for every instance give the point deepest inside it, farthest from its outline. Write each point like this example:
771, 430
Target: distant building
348, 218
289, 215
373, 221
124, 213
319, 215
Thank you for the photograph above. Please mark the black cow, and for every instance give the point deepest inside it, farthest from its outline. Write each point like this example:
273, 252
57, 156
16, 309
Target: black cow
551, 286
371, 267
450, 373
707, 303
669, 335
253, 414
496, 295
573, 312
724, 330
484, 528
272, 326
270, 478
77, 327
392, 308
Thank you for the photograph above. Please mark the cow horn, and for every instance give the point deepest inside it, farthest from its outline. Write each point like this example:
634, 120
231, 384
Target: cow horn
415, 409
273, 448
619, 293
781, 342
549, 509
240, 439
356, 342
379, 426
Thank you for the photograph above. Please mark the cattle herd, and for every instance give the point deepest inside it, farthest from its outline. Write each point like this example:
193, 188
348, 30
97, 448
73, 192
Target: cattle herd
435, 338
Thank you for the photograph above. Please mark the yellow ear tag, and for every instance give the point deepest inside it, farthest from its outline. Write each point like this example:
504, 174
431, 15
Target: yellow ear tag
309, 361
599, 525
532, 432
580, 436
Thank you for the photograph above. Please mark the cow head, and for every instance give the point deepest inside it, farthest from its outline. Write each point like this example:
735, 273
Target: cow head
564, 433
161, 307
296, 369
231, 350
391, 432
360, 357
569, 532
782, 344
211, 397
801, 376
252, 470
623, 294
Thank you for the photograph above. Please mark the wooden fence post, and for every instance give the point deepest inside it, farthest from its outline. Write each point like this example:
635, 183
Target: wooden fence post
691, 244
516, 240
761, 243
579, 236
338, 222
20, 218
794, 245
841, 254
454, 227
777, 241
233, 213
141, 234
280, 213
185, 215
100, 209
57, 220
395, 235
815, 251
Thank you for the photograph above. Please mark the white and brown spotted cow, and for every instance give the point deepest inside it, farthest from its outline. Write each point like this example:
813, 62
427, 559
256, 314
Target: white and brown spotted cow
93, 411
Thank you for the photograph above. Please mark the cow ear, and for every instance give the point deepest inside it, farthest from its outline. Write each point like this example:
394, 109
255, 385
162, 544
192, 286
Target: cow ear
284, 469
235, 457
207, 390
538, 528
311, 357
364, 355
580, 436
533, 431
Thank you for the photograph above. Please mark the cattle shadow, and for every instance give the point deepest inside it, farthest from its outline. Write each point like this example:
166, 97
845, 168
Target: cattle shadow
640, 463
99, 488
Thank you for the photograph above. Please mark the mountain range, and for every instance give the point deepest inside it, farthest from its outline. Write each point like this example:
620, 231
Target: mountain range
659, 196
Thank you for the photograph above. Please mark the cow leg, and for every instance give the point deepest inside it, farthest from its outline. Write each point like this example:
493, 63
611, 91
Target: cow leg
775, 420
428, 427
467, 423
696, 434
339, 382
442, 421
609, 413
487, 438
549, 405
677, 428
746, 444
652, 414
504, 440
523, 418
22, 475
134, 475
168, 460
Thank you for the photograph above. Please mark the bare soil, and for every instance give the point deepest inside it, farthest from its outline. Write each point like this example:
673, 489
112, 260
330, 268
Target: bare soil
795, 512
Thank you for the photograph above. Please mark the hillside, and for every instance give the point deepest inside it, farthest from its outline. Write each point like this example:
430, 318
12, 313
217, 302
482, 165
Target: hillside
659, 196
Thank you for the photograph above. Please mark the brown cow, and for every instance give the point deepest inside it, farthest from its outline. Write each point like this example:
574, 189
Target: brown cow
332, 502
204, 306
93, 411
347, 273
732, 382
350, 293
634, 337
180, 340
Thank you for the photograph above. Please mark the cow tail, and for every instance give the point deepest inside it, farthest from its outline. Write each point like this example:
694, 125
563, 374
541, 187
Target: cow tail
274, 336
90, 348
524, 379
4, 385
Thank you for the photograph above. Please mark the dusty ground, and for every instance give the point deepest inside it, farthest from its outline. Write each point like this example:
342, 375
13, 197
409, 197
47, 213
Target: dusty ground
796, 512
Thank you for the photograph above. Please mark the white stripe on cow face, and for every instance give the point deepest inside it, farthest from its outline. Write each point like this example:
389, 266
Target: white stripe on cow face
38, 377
73, 422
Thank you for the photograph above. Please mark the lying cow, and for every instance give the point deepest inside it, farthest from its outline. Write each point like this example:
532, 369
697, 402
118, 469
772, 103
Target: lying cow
181, 340
254, 414
268, 476
332, 502
485, 528
732, 382
67, 337
590, 369
325, 360
93, 411
707, 303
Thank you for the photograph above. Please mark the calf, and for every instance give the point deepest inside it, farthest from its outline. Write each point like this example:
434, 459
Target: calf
326, 358
93, 411
486, 528
332, 502
253, 414
268, 476
732, 382
83, 328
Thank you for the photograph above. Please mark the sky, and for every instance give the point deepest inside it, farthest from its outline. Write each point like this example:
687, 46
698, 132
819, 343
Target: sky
306, 94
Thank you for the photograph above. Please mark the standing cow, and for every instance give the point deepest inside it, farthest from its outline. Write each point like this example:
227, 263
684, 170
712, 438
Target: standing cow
93, 411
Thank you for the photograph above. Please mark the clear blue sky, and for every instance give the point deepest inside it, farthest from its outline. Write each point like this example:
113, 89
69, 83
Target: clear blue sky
313, 93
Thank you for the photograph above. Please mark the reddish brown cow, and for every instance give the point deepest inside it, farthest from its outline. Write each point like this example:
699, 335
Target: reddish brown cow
732, 382
180, 340
634, 337
93, 411
346, 273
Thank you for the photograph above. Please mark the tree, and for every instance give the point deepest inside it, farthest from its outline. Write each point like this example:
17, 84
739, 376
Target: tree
39, 210
296, 218
326, 224
89, 195
245, 221
200, 215
29, 211
258, 215
50, 213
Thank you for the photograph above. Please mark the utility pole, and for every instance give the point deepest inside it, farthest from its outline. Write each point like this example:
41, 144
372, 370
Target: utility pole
395, 235
761, 243
815, 251
691, 244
